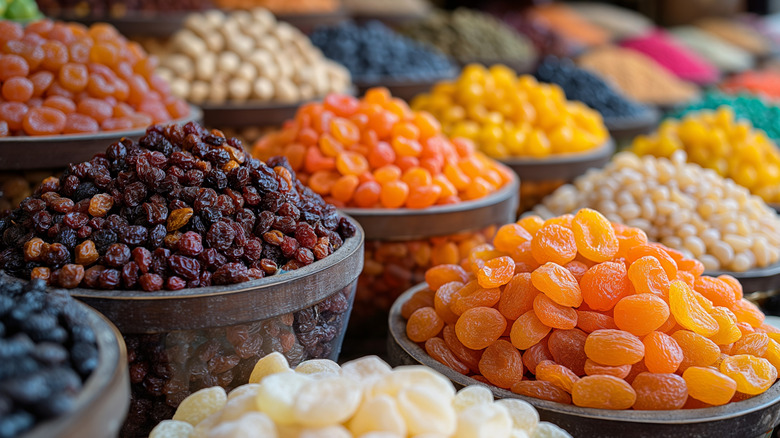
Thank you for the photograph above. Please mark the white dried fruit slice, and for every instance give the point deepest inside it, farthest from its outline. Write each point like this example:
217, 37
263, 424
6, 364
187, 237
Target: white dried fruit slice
271, 364
365, 369
484, 421
251, 425
414, 376
319, 368
200, 405
470, 396
171, 429
378, 414
277, 394
327, 401
426, 410
549, 430
523, 414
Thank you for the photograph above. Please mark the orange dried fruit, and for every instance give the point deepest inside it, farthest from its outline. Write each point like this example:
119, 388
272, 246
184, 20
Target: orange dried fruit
709, 386
662, 353
753, 375
479, 327
604, 284
641, 314
558, 375
659, 391
553, 314
558, 283
554, 243
688, 310
614, 347
541, 390
697, 350
594, 235
424, 324
501, 364
527, 330
603, 392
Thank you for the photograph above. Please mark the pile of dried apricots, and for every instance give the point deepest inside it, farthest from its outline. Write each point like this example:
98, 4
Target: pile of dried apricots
580, 310
65, 78
376, 152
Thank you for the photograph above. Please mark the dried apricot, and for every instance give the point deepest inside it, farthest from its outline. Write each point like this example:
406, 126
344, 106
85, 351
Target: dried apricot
553, 314
659, 391
496, 272
518, 296
439, 275
437, 349
688, 311
753, 375
594, 368
641, 314
528, 330
541, 390
501, 364
614, 347
604, 284
603, 392
554, 243
568, 349
424, 324
479, 327
594, 235
589, 321
648, 276
662, 353
709, 386
558, 375
558, 284
697, 350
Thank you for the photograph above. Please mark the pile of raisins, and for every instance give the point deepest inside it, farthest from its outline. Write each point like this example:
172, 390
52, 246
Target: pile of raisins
46, 354
183, 207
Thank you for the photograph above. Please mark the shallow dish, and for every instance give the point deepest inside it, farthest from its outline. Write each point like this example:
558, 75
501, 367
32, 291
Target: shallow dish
752, 418
57, 151
561, 166
755, 280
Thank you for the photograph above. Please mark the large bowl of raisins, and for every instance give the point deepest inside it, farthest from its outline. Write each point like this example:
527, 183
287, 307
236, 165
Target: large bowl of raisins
182, 341
749, 418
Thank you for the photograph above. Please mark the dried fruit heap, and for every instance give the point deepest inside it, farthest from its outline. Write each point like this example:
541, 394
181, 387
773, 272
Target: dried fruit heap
65, 78
47, 350
580, 310
362, 398
182, 207
376, 152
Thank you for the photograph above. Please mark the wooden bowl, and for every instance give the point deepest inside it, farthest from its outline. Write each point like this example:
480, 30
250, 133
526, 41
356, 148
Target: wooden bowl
561, 166
102, 404
400, 224
626, 128
752, 418
57, 151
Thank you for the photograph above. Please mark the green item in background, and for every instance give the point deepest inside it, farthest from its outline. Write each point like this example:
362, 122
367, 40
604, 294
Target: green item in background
762, 114
3, 7
21, 10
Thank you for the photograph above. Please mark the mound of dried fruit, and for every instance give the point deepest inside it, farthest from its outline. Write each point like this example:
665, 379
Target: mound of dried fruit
182, 207
64, 78
362, 398
579, 310
48, 352
718, 140
681, 205
509, 116
376, 152
245, 56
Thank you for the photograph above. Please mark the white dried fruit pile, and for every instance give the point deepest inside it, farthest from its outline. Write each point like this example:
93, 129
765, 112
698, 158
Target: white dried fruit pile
363, 398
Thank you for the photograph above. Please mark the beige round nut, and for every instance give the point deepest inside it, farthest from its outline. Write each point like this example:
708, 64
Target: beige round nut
241, 45
239, 89
262, 89
247, 72
269, 70
218, 92
206, 67
262, 17
199, 91
214, 41
270, 43
180, 65
286, 92
188, 43
166, 74
180, 87
228, 62
215, 18
306, 92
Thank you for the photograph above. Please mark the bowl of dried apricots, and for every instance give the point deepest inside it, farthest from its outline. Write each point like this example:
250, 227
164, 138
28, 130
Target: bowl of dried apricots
602, 331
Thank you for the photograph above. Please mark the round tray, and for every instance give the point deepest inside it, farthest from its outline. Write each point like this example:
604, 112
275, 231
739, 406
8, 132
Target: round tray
409, 223
218, 306
752, 418
102, 404
136, 24
57, 151
755, 280
404, 89
561, 167
626, 128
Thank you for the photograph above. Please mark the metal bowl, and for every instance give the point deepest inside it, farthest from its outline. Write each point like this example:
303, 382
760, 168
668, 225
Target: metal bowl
405, 89
57, 151
102, 404
752, 418
755, 280
626, 128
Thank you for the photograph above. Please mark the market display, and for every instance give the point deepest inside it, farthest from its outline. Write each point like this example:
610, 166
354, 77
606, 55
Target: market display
470, 36
64, 78
373, 52
765, 83
20, 10
512, 116
602, 319
48, 352
588, 88
718, 141
736, 33
684, 63
564, 21
376, 152
638, 76
183, 207
618, 22
683, 206
759, 112
282, 6
245, 56
722, 54
364, 397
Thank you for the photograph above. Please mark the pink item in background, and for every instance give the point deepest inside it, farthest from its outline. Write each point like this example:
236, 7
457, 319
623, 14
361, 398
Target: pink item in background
673, 57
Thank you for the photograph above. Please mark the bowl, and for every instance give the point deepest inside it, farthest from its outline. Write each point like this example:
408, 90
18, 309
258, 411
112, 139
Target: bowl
57, 151
401, 244
752, 418
102, 404
234, 115
405, 89
755, 280
180, 342
135, 23
624, 129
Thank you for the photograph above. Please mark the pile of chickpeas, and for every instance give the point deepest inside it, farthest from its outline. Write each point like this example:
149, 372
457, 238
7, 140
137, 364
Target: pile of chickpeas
681, 205
245, 56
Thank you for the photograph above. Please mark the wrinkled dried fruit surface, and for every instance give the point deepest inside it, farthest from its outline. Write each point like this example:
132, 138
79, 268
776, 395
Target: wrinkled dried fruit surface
602, 318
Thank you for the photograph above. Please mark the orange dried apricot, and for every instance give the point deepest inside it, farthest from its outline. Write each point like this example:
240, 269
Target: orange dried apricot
518, 296
501, 364
614, 347
528, 330
568, 349
536, 355
589, 321
479, 327
662, 353
553, 314
659, 391
641, 314
594, 368
541, 390
554, 243
496, 272
423, 324
709, 386
594, 235
603, 392
467, 356
437, 349
753, 375
558, 375
697, 350
439, 275
648, 276
558, 284
688, 310
604, 284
